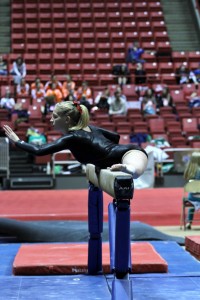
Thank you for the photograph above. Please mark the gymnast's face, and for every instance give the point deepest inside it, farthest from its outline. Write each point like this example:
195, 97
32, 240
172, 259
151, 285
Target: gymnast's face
60, 122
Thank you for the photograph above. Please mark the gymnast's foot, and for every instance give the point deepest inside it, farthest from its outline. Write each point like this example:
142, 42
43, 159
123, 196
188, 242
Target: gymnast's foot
124, 168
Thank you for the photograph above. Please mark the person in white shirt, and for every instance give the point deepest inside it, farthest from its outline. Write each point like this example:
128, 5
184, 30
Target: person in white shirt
117, 104
18, 70
7, 102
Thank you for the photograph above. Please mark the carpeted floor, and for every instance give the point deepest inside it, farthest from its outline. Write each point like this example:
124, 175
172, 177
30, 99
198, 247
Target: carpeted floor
156, 207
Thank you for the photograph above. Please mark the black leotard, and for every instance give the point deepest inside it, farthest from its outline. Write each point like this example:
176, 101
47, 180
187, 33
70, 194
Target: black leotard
99, 147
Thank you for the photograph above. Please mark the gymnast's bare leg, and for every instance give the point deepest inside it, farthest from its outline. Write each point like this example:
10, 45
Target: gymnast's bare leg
134, 162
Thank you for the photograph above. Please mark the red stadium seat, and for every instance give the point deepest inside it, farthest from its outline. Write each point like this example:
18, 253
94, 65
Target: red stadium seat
105, 68
144, 26
158, 26
73, 27
124, 127
127, 15
104, 58
73, 58
166, 67
157, 16
117, 37
146, 37
140, 6
74, 37
190, 126
102, 37
156, 125
88, 37
88, 58
114, 16
161, 36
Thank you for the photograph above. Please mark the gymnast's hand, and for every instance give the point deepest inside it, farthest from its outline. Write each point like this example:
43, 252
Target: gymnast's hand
10, 134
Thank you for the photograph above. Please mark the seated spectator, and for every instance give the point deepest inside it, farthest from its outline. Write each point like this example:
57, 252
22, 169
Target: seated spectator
7, 102
18, 70
122, 74
101, 100
194, 100
55, 92
182, 74
149, 103
68, 86
55, 81
38, 83
3, 66
194, 75
117, 104
140, 74
84, 92
71, 96
49, 104
23, 88
37, 91
192, 171
134, 54
165, 99
83, 100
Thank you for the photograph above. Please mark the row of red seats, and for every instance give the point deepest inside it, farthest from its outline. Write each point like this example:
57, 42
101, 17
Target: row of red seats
84, 6
191, 59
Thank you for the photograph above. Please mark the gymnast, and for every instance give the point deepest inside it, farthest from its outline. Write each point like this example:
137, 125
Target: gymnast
88, 143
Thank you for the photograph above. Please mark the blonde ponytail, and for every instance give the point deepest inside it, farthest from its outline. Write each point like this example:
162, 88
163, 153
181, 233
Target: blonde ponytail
78, 113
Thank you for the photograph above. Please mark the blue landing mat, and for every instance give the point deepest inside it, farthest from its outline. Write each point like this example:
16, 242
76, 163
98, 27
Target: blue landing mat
182, 282
80, 287
95, 287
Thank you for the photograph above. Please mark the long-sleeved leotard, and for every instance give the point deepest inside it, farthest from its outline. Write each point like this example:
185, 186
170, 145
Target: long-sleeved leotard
99, 147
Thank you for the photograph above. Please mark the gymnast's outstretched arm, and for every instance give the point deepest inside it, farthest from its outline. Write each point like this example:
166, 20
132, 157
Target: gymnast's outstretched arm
58, 145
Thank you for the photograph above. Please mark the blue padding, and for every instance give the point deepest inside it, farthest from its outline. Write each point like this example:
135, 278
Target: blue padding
122, 289
95, 227
111, 224
7, 256
95, 210
94, 256
169, 288
180, 262
122, 242
77, 287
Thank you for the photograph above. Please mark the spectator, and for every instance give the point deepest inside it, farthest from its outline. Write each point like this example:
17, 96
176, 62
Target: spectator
3, 66
117, 104
192, 171
134, 54
140, 74
18, 70
194, 75
68, 86
164, 99
56, 83
85, 92
182, 74
37, 91
149, 102
71, 96
23, 88
122, 74
7, 102
38, 83
101, 100
54, 91
194, 100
